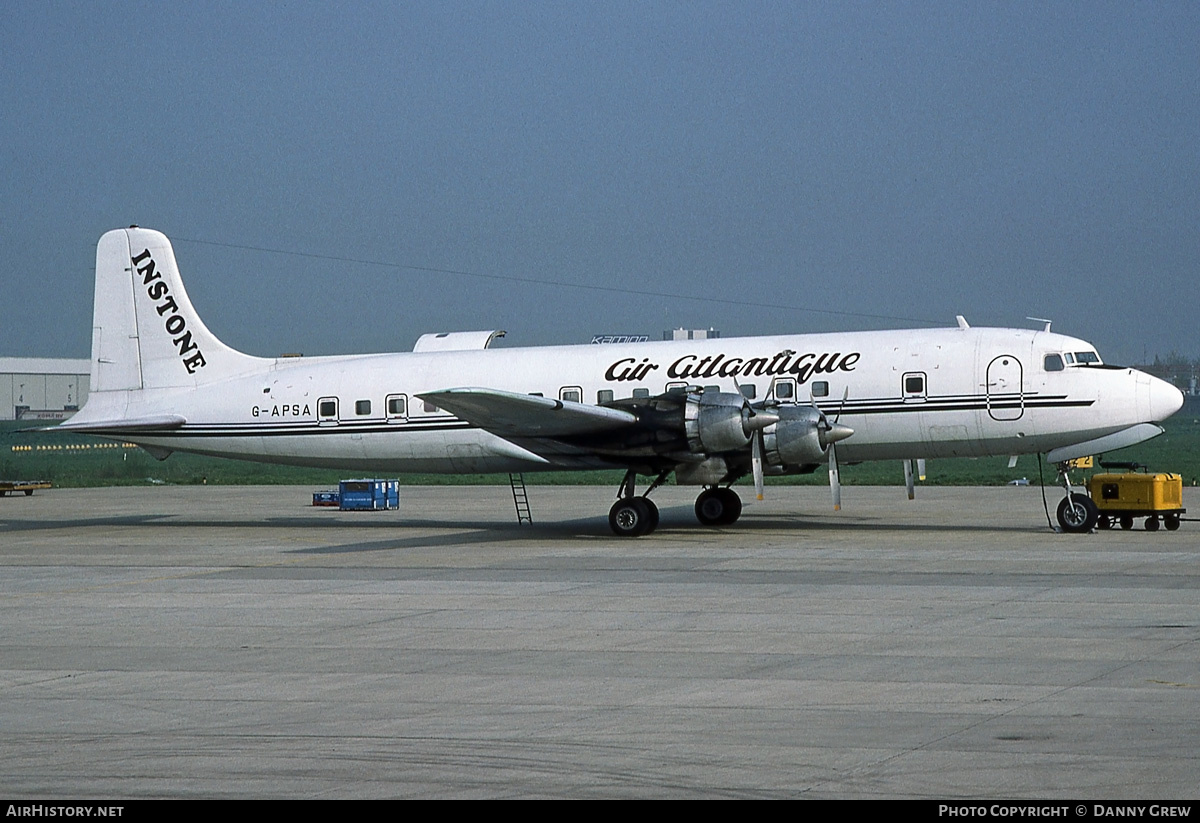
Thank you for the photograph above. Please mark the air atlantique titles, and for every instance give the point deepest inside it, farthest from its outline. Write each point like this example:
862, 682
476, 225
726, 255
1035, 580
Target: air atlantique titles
175, 325
801, 366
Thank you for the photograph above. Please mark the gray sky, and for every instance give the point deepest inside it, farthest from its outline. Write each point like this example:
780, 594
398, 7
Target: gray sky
886, 161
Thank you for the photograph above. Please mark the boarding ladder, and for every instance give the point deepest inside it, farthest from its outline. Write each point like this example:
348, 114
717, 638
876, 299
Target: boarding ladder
520, 498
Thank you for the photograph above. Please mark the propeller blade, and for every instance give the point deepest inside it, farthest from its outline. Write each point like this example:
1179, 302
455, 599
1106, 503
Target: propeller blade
921, 469
835, 481
841, 406
756, 463
908, 479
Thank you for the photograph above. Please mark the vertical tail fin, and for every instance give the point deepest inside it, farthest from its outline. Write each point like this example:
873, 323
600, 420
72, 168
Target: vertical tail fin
145, 332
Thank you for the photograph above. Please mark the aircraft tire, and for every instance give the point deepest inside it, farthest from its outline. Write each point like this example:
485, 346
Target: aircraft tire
733, 507
632, 517
1079, 518
718, 507
653, 512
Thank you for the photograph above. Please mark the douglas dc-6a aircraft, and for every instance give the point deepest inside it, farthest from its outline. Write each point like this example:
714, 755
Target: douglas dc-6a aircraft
709, 411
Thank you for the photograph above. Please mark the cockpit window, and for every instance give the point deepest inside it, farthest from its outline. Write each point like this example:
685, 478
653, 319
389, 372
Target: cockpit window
1054, 362
1070, 358
1087, 357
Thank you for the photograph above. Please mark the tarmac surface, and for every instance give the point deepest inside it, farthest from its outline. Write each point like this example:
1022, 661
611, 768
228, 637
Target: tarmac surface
236, 642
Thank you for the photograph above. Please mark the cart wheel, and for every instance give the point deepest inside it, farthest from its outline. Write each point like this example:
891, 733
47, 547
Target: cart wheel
1105, 522
1151, 524
1127, 521
1171, 521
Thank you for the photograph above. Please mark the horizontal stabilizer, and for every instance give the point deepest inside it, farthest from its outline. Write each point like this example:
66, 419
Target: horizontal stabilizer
129, 425
1110, 442
509, 414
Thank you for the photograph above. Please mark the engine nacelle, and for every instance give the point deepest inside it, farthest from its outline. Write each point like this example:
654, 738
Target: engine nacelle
797, 438
717, 422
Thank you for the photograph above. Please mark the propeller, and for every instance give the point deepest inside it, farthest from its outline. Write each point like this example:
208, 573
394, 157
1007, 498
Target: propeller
756, 421
835, 482
756, 463
831, 436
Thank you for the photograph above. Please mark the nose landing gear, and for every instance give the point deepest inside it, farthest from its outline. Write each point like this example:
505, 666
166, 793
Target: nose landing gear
1077, 513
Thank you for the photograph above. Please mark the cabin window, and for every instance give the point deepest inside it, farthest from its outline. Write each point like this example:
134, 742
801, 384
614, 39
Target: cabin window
820, 388
641, 392
362, 406
677, 385
915, 386
573, 394
397, 405
327, 410
784, 389
712, 388
1054, 362
749, 391
604, 396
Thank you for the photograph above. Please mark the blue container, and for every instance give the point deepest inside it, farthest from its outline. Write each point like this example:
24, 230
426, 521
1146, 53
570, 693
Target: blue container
369, 495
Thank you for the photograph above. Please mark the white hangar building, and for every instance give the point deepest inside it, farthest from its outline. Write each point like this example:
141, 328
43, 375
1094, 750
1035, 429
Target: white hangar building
42, 388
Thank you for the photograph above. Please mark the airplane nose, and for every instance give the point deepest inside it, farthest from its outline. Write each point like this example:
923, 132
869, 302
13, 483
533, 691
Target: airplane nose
1165, 399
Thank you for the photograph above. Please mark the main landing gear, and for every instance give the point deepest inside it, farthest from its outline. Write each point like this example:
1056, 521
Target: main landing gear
718, 507
633, 515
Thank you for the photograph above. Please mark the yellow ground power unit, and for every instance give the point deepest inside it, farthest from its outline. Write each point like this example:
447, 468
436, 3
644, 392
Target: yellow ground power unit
1123, 497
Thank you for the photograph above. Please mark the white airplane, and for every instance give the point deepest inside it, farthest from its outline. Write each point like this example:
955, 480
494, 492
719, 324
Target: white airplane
709, 411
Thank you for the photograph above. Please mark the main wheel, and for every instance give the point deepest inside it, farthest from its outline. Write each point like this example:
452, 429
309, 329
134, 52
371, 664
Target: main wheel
718, 507
651, 513
1077, 515
632, 517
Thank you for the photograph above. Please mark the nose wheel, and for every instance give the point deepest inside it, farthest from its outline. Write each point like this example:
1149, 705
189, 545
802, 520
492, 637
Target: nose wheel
1078, 514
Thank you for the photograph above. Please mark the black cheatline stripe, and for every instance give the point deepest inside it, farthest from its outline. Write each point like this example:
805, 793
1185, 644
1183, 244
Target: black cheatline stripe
276, 430
260, 431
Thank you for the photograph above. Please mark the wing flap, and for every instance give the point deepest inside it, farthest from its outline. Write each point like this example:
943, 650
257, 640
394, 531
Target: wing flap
508, 414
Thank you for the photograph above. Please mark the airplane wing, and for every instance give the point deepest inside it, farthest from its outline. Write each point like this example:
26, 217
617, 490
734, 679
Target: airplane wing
508, 414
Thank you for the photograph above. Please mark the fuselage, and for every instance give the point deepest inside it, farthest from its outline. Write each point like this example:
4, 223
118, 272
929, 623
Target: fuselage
906, 394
